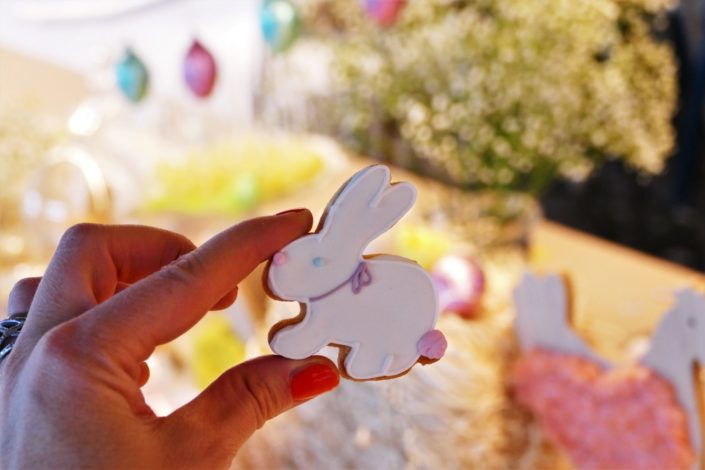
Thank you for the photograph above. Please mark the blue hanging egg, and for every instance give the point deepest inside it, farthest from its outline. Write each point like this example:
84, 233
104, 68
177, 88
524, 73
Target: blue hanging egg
132, 77
200, 70
280, 23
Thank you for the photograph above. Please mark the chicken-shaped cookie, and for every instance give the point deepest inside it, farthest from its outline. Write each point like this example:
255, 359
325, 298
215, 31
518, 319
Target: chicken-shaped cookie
380, 310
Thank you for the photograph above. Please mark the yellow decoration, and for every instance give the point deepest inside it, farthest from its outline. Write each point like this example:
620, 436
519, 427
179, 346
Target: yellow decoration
216, 348
233, 177
425, 245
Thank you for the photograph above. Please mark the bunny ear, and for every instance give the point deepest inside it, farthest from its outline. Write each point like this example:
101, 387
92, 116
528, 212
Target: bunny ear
541, 306
368, 206
364, 187
394, 202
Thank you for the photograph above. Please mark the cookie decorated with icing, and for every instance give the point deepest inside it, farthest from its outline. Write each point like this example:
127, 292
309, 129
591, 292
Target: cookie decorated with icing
642, 415
379, 310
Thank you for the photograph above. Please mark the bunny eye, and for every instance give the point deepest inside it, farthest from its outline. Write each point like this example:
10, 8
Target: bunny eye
318, 261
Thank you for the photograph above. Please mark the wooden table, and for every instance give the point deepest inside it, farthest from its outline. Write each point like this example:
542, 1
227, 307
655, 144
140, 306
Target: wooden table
618, 292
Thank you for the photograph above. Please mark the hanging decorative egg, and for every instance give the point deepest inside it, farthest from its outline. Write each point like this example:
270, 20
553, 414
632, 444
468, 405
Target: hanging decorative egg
280, 23
200, 70
460, 284
384, 12
132, 76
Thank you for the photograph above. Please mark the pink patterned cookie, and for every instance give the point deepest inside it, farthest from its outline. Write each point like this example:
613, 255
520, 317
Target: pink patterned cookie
646, 415
380, 310
621, 418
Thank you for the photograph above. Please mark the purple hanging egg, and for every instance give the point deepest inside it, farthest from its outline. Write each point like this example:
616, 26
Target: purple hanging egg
200, 70
384, 12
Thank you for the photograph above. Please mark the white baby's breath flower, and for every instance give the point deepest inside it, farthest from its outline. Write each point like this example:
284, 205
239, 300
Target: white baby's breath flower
489, 90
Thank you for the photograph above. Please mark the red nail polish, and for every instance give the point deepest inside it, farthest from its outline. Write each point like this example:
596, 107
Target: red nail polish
290, 211
313, 380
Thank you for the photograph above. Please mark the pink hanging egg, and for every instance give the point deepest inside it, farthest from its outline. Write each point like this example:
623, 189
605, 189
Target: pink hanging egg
200, 70
384, 12
460, 284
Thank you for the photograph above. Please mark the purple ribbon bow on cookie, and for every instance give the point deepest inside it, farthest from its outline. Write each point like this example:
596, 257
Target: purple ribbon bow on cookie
360, 278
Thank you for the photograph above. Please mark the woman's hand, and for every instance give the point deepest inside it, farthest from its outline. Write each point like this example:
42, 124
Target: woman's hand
70, 388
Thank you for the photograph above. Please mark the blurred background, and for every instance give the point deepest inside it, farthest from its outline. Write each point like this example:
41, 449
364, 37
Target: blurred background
519, 121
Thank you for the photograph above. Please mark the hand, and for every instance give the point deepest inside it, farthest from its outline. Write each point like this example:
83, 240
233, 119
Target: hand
70, 389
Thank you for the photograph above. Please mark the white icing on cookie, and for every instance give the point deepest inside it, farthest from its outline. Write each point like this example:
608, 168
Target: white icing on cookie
380, 307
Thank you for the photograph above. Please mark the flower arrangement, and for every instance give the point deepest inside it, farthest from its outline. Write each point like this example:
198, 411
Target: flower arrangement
502, 94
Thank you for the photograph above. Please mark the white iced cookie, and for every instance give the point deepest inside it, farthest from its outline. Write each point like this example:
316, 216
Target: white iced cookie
379, 310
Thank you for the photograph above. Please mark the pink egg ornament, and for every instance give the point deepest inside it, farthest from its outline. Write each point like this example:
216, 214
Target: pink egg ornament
460, 283
383, 12
200, 71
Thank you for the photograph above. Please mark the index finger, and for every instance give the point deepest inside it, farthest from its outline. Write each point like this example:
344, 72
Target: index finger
89, 266
167, 303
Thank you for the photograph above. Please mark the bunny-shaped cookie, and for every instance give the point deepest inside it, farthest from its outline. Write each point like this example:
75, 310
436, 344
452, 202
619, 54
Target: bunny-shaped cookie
380, 310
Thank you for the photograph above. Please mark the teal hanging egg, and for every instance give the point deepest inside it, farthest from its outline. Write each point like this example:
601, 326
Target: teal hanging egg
132, 77
200, 70
280, 23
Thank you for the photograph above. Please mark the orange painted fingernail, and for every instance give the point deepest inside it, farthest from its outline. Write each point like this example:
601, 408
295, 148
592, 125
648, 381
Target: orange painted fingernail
313, 380
290, 211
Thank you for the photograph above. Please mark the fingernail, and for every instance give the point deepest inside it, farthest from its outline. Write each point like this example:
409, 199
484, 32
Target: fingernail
290, 211
313, 380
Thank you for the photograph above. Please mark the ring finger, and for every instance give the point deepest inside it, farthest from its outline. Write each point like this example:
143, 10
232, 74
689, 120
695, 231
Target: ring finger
20, 299
21, 295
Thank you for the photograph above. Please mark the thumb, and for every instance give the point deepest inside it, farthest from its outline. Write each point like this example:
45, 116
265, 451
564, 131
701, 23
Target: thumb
242, 399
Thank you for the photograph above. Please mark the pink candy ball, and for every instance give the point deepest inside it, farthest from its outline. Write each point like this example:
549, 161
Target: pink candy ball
460, 283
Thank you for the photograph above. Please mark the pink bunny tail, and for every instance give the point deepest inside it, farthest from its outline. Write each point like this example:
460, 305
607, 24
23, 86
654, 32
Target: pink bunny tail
432, 344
